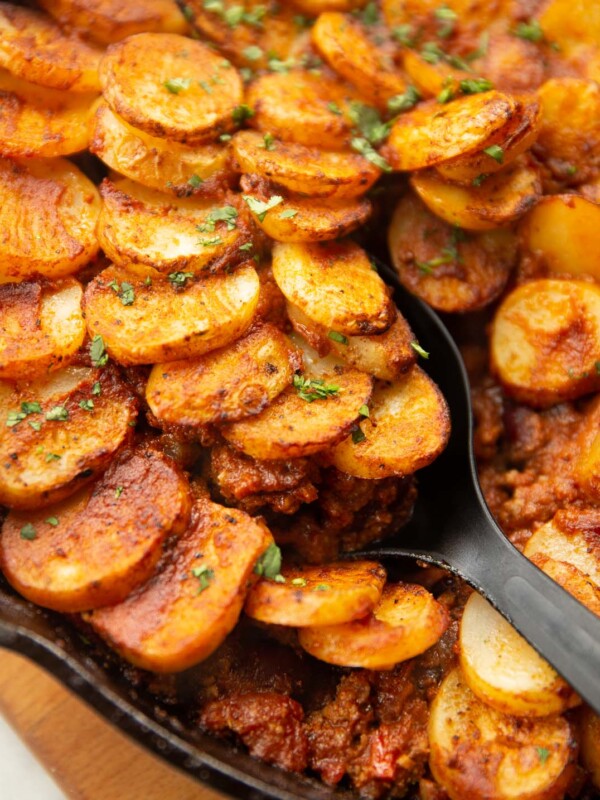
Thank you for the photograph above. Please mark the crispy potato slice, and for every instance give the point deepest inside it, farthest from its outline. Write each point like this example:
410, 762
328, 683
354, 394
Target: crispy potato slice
329, 594
142, 226
44, 460
108, 21
586, 466
297, 107
589, 726
503, 670
545, 341
471, 13
570, 23
57, 234
37, 121
165, 322
431, 134
335, 285
406, 622
225, 385
408, 427
41, 328
343, 43
480, 753
571, 579
157, 163
431, 79
561, 231
93, 549
304, 169
499, 200
161, 83
450, 270
183, 614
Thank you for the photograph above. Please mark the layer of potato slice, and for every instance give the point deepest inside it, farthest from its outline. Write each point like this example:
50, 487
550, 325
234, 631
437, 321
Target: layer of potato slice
84, 417
155, 82
561, 231
573, 580
481, 754
33, 47
407, 428
586, 466
434, 133
168, 166
503, 670
226, 385
187, 609
329, 594
94, 548
589, 727
41, 328
169, 319
318, 173
545, 341
450, 269
37, 121
407, 621
335, 285
109, 21
499, 200
143, 226
431, 79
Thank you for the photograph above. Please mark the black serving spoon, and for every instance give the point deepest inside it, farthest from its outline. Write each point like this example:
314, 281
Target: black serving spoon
453, 527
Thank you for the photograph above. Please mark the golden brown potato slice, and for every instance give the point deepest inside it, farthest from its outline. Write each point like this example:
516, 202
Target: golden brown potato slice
145, 317
406, 622
499, 200
108, 21
571, 579
163, 84
329, 594
407, 428
41, 327
183, 614
589, 726
448, 268
344, 44
335, 285
58, 432
303, 169
434, 133
55, 236
37, 121
587, 461
431, 79
570, 24
480, 753
160, 164
225, 385
142, 226
503, 670
93, 549
545, 341
561, 231
469, 13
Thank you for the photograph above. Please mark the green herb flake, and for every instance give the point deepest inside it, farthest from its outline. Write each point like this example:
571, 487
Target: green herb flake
118, 492
543, 754
204, 85
86, 405
447, 17
212, 242
225, 137
261, 207
245, 248
14, 417
311, 389
177, 85
241, 113
52, 457
52, 521
364, 411
495, 152
98, 354
289, 213
405, 101
226, 214
252, 53
479, 179
57, 414
368, 122
404, 34
418, 349
322, 587
188, 13
298, 581
571, 170
269, 563
269, 141
531, 31
37, 426
358, 435
96, 389
204, 576
475, 85
195, 181
337, 337
334, 108
369, 15
28, 532
127, 294
179, 279
446, 95
363, 147
31, 408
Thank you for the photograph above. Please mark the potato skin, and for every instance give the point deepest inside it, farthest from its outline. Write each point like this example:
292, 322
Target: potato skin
108, 539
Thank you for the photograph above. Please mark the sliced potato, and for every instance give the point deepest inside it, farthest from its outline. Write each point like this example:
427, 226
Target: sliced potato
586, 466
142, 226
57, 234
450, 270
225, 385
304, 169
93, 549
431, 79
161, 83
589, 725
46, 459
183, 614
408, 427
37, 121
329, 594
164, 322
157, 163
41, 328
406, 622
335, 285
434, 133
545, 341
570, 24
499, 200
480, 753
470, 13
561, 232
571, 579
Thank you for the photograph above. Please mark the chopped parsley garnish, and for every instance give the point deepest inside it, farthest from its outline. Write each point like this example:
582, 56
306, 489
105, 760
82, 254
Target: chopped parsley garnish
98, 354
277, 65
52, 521
428, 266
245, 248
261, 207
322, 587
269, 141
96, 389
363, 147
495, 152
226, 214
369, 15
531, 31
118, 492
188, 13
404, 34
28, 532
433, 54
337, 337
215, 240
447, 17
479, 179
252, 53
57, 414
37, 426
177, 85
269, 563
14, 417
127, 294
368, 122
543, 754
364, 411
405, 101
204, 576
298, 581
179, 279
418, 349
195, 181
52, 457
289, 213
358, 435
311, 389
446, 94
204, 85
225, 137
334, 108
86, 405
31, 408
475, 85
241, 113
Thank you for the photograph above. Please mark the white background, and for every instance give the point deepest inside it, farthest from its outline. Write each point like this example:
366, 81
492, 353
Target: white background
21, 776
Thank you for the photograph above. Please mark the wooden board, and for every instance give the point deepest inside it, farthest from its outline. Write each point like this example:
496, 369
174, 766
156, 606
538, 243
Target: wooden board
88, 758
